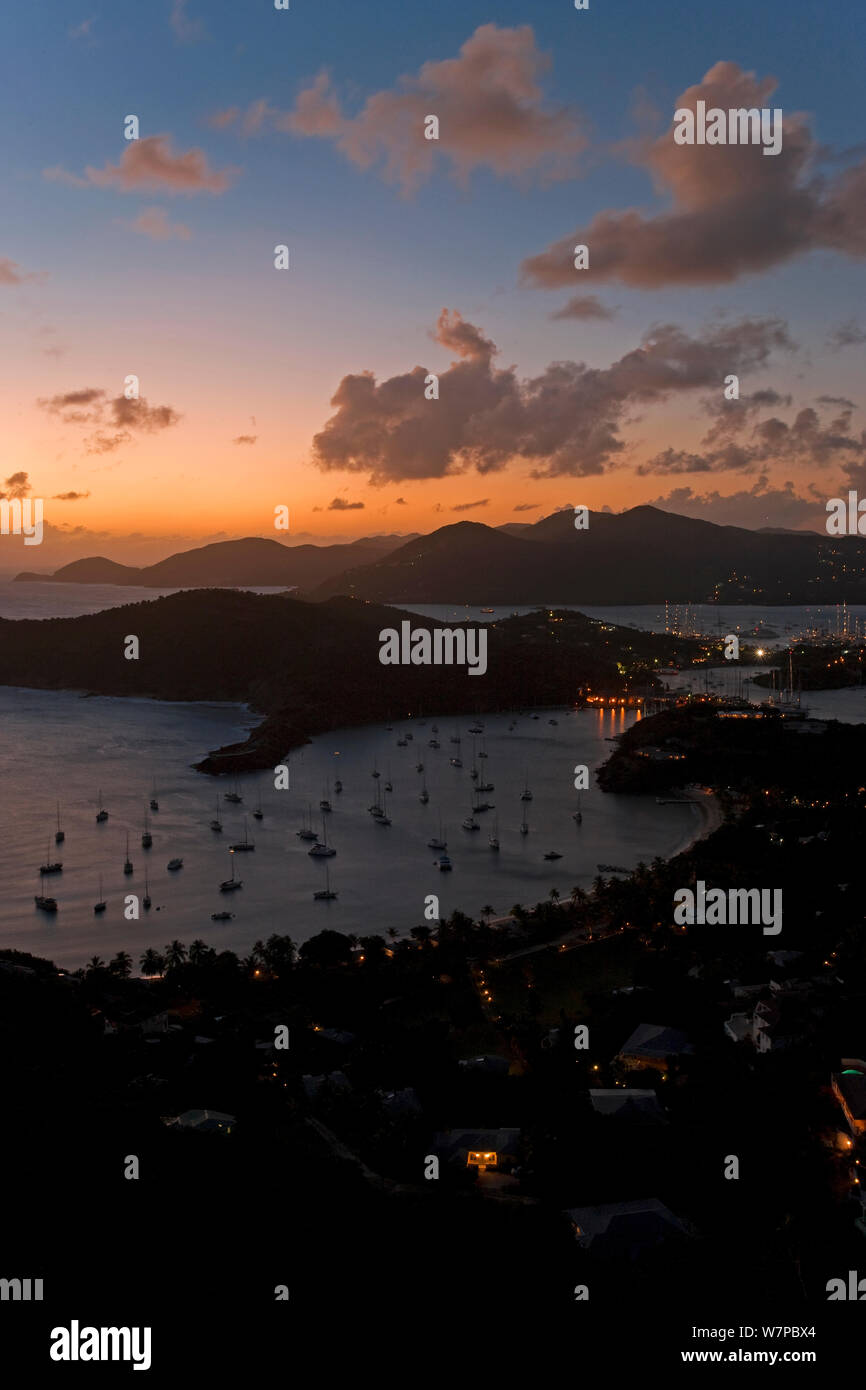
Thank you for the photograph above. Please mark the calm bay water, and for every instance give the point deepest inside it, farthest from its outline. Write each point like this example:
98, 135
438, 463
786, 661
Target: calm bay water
68, 746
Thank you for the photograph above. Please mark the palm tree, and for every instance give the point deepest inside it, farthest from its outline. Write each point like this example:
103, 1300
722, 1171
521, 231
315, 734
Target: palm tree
554, 895
198, 952
152, 963
175, 955
121, 964
392, 933
487, 911
95, 963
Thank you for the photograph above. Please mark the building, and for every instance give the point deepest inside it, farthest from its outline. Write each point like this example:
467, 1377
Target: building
652, 1045
626, 1229
849, 1088
629, 1104
479, 1148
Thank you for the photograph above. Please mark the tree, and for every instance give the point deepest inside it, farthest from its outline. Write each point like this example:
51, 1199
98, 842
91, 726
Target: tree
327, 948
152, 963
279, 953
554, 895
421, 934
200, 953
392, 933
487, 911
95, 964
121, 964
175, 955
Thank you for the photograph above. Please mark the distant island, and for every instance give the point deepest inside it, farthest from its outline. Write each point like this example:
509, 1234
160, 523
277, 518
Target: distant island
309, 667
642, 555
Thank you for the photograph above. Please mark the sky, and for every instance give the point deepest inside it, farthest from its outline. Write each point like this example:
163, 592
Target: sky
260, 387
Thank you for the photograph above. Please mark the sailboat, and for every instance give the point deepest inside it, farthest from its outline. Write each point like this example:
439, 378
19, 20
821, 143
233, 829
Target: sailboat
327, 893
471, 823
146, 838
383, 818
146, 900
127, 863
577, 816
338, 786
222, 916
553, 854
524, 825
526, 794
216, 824
59, 835
258, 813
234, 796
425, 795
455, 737
307, 832
100, 906
174, 864
51, 866
321, 849
493, 841
102, 814
229, 885
438, 841
44, 903
154, 804
243, 846
443, 864
483, 752
325, 803
375, 773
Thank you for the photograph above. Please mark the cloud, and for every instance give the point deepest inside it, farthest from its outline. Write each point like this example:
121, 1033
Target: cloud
12, 274
735, 211
584, 306
470, 506
490, 108
155, 223
526, 507
18, 486
340, 504
744, 443
69, 496
152, 163
760, 506
82, 30
185, 29
116, 419
848, 334
245, 439
257, 115
400, 502
567, 420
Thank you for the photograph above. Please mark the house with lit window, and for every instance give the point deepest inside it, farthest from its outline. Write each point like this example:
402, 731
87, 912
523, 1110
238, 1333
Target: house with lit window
479, 1148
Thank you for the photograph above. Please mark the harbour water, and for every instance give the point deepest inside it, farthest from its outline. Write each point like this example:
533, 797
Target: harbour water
65, 746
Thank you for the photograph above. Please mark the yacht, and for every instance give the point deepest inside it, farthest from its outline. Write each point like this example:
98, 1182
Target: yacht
244, 846
455, 738
325, 803
101, 905
476, 729
234, 796
482, 806
443, 864
524, 826
425, 795
338, 786
382, 817
216, 824
174, 864
146, 900
229, 885
419, 767
401, 743
45, 904
438, 841
471, 824
51, 866
577, 815
321, 849
456, 762
221, 916
101, 814
307, 832
127, 863
258, 813
327, 893
59, 835
526, 794
146, 837
552, 854
154, 804
433, 743
493, 841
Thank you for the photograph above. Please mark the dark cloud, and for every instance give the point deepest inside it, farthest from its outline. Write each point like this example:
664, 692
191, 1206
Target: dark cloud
490, 107
339, 504
116, 419
847, 334
526, 507
568, 420
735, 210
470, 506
400, 502
245, 439
584, 306
759, 506
17, 485
69, 496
